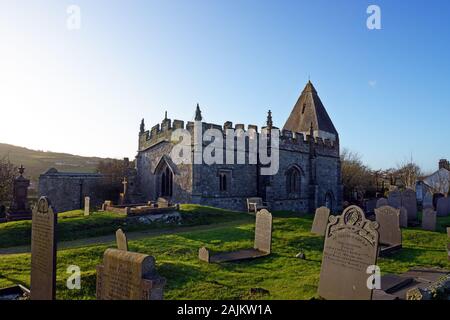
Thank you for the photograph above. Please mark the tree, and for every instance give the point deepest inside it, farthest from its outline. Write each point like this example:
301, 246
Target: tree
111, 185
357, 178
7, 175
408, 173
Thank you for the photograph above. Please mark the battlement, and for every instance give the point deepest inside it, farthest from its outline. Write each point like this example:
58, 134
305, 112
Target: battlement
293, 141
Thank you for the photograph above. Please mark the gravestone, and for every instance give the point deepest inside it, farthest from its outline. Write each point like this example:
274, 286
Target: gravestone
87, 201
429, 219
395, 199
443, 207
390, 235
351, 246
409, 201
19, 208
203, 254
43, 251
320, 221
263, 231
382, 202
427, 200
262, 245
162, 203
403, 217
126, 275
121, 240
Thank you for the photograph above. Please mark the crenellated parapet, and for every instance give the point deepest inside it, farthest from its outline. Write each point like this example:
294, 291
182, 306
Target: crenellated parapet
292, 141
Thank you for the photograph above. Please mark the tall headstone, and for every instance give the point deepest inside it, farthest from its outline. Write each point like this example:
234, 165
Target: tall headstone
19, 208
443, 206
388, 219
87, 201
263, 231
409, 201
351, 246
43, 251
320, 221
403, 217
126, 275
381, 202
121, 240
395, 199
427, 200
429, 219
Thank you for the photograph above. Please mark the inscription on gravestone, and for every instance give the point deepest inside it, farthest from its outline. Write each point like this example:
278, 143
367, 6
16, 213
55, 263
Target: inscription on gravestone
43, 251
351, 246
128, 275
320, 221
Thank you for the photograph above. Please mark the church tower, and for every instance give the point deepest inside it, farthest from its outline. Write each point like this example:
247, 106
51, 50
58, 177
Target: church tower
309, 112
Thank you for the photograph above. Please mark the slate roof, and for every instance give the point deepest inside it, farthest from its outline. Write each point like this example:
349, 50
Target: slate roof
309, 109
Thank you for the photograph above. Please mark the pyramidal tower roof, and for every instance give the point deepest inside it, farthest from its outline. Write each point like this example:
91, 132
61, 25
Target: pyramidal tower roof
308, 111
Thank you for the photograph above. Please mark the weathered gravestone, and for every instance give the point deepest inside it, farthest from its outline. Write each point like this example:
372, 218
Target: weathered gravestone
409, 201
443, 206
121, 240
395, 199
381, 202
163, 203
262, 245
403, 217
351, 246
390, 235
87, 201
427, 201
126, 275
320, 221
429, 219
43, 251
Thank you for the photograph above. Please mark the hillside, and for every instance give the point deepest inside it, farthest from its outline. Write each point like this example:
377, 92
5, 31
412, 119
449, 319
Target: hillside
37, 162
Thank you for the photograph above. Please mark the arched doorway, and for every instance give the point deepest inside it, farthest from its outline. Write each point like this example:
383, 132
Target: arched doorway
329, 200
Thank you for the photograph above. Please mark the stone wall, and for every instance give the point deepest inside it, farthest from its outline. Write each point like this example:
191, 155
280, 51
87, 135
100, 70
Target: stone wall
66, 191
200, 183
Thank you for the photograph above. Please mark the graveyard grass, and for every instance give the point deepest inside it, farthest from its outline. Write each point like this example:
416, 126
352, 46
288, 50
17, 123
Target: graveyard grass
73, 225
281, 274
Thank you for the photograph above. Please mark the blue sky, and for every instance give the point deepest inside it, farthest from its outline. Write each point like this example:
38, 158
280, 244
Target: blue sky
85, 91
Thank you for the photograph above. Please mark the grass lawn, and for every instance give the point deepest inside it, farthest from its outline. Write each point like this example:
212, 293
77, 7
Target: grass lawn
283, 275
74, 225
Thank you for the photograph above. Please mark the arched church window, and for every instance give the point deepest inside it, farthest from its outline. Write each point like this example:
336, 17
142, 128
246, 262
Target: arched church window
166, 182
293, 181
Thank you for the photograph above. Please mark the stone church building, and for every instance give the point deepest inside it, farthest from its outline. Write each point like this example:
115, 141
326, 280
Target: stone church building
309, 174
